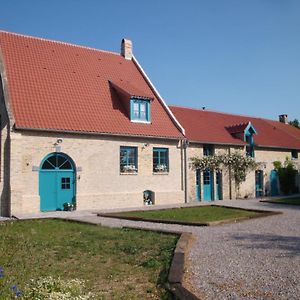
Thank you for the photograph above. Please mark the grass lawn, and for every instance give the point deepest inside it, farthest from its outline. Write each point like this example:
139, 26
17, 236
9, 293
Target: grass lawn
200, 214
115, 263
293, 201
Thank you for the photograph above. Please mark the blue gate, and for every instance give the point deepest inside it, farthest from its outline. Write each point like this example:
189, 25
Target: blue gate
56, 182
208, 185
274, 183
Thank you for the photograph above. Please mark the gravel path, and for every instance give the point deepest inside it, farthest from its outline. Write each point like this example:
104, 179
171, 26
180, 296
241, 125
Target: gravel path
254, 259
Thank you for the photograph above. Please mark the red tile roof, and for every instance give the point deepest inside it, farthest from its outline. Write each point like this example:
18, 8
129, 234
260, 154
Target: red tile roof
237, 128
58, 86
210, 127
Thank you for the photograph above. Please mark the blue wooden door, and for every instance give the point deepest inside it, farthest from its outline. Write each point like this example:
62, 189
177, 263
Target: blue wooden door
207, 186
56, 182
219, 191
259, 183
48, 191
198, 185
274, 183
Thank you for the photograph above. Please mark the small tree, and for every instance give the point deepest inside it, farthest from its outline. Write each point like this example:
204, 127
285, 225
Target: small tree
295, 123
239, 164
287, 175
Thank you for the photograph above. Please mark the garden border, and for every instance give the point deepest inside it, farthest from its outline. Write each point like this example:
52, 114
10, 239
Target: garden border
262, 213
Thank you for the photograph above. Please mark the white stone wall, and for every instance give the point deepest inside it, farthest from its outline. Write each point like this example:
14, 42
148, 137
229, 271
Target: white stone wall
100, 183
247, 190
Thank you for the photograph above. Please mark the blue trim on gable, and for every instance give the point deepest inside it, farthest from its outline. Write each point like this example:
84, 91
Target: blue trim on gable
248, 137
249, 130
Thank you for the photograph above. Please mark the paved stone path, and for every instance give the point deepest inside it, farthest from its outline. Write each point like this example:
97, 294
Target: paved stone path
254, 259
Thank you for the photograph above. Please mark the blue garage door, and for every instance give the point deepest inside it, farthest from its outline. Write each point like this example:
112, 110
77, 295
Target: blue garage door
56, 182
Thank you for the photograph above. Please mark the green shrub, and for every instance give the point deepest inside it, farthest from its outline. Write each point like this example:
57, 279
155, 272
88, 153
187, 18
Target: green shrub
287, 176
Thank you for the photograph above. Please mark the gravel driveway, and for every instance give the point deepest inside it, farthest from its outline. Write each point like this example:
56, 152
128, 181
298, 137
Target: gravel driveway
255, 259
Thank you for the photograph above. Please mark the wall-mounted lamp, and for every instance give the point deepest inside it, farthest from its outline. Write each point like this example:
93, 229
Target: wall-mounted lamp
58, 148
145, 145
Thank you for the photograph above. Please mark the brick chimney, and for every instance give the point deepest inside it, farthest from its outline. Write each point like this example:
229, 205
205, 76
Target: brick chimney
126, 49
283, 119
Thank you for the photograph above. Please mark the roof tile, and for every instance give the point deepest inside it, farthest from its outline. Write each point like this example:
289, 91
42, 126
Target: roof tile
211, 127
58, 86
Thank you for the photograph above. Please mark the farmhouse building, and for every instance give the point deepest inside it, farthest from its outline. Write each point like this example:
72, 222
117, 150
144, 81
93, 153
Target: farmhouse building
87, 128
265, 140
84, 126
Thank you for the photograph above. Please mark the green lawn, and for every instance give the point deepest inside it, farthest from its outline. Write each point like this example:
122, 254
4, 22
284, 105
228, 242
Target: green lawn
200, 214
114, 263
293, 201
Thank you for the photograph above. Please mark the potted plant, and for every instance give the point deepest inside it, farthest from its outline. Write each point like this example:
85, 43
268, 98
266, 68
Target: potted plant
68, 206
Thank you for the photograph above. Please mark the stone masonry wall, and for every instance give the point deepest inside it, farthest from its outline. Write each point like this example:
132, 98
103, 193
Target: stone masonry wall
99, 184
247, 190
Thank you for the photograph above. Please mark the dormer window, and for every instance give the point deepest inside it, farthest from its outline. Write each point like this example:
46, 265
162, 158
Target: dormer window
250, 146
245, 132
140, 110
137, 103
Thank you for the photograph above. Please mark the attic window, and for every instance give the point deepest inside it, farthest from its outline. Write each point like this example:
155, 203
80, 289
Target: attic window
139, 110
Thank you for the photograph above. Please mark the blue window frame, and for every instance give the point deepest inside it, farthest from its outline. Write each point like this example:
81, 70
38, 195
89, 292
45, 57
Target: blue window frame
249, 131
250, 146
208, 150
160, 160
128, 159
139, 110
294, 154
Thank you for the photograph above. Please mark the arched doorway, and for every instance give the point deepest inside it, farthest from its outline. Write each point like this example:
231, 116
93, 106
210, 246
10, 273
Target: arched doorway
56, 182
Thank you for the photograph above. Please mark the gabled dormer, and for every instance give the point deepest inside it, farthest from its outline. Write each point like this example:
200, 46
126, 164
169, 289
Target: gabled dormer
136, 103
245, 132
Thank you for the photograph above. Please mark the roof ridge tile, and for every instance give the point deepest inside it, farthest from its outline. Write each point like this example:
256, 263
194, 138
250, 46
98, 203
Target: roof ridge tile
59, 42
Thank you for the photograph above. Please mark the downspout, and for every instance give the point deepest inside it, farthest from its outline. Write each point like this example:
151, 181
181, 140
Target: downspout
185, 146
230, 179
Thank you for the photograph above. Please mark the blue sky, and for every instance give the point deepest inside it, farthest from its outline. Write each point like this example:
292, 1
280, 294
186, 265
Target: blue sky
239, 56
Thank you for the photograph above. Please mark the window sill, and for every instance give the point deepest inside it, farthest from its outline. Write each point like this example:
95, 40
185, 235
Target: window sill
128, 173
140, 121
160, 173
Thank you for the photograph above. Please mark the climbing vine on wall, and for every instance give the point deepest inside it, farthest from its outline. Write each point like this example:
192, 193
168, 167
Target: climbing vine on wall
239, 164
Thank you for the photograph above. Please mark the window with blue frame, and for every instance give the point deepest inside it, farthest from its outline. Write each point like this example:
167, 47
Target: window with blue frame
294, 154
128, 159
208, 150
250, 146
139, 110
160, 160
